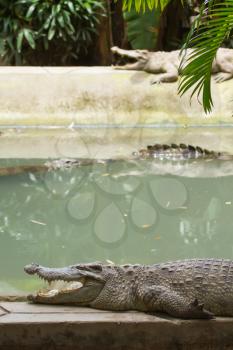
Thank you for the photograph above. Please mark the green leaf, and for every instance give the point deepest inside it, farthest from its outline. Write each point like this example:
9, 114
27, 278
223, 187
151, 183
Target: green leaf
71, 7
47, 22
141, 28
19, 41
205, 37
9, 41
28, 34
143, 5
51, 33
60, 20
29, 37
31, 10
67, 20
56, 9
2, 47
38, 22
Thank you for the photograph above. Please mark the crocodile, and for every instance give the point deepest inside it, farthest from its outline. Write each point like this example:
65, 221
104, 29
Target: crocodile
177, 159
160, 152
166, 64
56, 164
181, 152
192, 288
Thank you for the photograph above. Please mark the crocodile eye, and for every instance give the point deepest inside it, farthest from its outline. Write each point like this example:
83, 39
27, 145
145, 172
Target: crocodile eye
88, 267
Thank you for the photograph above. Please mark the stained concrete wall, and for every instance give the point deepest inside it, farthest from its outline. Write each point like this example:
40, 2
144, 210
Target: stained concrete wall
101, 112
43, 327
99, 95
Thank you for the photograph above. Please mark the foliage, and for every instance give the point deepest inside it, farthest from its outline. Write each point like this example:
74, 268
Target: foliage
210, 29
63, 27
141, 29
144, 4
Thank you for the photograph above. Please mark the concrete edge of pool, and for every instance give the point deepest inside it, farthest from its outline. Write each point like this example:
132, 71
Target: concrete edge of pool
99, 112
24, 326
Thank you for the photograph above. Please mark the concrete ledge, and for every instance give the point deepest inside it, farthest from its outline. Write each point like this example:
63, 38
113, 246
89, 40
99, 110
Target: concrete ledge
99, 112
105, 143
24, 326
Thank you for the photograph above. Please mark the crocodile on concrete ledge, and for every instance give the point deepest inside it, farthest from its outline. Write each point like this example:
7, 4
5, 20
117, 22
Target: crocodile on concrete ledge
195, 288
166, 64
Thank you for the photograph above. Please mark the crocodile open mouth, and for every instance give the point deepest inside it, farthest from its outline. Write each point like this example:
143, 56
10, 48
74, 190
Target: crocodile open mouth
53, 284
75, 284
122, 59
60, 287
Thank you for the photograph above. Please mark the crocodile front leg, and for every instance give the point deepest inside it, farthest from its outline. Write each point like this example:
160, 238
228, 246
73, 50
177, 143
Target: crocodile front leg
220, 77
223, 66
162, 299
169, 75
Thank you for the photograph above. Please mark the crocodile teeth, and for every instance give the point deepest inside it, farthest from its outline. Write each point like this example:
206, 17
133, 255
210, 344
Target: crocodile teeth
71, 287
63, 286
50, 293
75, 285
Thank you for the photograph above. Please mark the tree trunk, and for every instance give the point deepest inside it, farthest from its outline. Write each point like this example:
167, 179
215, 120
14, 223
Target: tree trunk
174, 26
101, 52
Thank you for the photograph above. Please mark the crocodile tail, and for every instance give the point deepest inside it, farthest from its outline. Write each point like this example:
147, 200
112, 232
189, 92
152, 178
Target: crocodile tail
225, 156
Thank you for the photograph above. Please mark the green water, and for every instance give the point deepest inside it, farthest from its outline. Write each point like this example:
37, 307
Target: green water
106, 212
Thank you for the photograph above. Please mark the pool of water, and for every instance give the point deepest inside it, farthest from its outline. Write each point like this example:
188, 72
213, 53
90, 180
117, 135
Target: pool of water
111, 211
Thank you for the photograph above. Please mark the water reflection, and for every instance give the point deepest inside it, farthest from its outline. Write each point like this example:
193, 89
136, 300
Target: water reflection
170, 193
110, 212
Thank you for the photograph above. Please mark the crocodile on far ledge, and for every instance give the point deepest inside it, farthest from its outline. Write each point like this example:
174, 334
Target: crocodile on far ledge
195, 288
166, 64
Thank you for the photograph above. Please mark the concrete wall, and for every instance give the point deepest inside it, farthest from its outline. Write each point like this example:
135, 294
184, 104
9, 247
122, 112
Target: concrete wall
59, 96
43, 327
101, 112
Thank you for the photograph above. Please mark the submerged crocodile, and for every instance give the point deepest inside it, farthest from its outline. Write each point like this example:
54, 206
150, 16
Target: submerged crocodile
177, 159
181, 152
201, 288
172, 152
57, 164
166, 64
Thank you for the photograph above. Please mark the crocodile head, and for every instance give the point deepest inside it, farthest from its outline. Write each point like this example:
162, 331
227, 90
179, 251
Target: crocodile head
130, 56
80, 284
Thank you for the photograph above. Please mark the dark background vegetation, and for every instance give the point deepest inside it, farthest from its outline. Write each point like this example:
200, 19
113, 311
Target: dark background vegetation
81, 32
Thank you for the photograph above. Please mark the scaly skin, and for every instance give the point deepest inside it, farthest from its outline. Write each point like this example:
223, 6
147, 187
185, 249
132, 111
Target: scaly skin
166, 64
195, 288
172, 152
181, 152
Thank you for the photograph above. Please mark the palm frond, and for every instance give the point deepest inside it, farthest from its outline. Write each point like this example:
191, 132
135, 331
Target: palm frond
210, 28
141, 5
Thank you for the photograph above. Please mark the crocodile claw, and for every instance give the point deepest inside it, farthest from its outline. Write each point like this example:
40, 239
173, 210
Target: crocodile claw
198, 310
